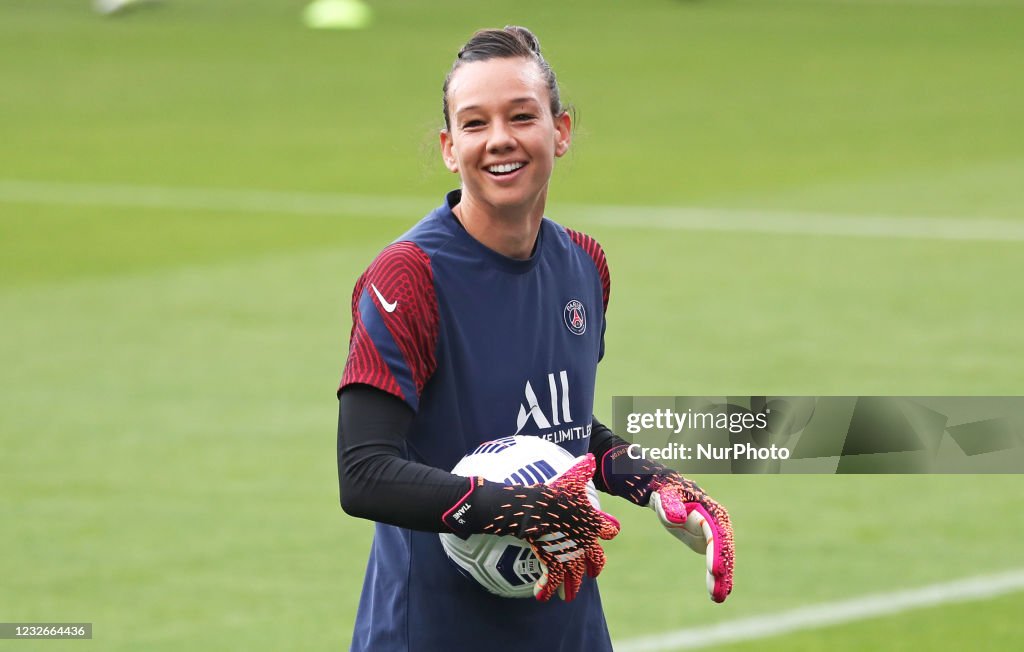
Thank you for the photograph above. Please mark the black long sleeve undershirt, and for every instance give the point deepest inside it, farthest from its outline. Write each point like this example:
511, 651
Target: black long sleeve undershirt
602, 440
377, 483
374, 479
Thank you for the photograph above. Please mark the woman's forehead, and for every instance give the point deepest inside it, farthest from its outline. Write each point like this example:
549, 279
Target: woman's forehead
496, 82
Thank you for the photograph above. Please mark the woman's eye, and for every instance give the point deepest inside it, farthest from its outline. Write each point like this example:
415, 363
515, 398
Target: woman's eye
471, 124
522, 117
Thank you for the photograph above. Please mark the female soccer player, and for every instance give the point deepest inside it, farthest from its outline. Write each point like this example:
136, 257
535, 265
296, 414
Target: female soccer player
487, 319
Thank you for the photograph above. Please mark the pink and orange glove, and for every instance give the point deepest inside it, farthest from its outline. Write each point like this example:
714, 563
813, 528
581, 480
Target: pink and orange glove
557, 520
697, 520
683, 508
567, 554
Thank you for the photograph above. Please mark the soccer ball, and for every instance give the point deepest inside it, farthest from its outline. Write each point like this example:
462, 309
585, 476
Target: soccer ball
506, 566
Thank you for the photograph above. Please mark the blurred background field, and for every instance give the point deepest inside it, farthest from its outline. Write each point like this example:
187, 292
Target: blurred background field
189, 191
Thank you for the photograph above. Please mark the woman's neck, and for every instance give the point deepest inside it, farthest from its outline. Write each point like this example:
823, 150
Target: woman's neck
511, 232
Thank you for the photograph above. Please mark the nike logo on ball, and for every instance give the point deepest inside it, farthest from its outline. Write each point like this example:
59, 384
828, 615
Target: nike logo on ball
388, 307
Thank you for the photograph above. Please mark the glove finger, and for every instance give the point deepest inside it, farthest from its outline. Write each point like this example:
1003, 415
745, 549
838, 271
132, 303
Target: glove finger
543, 580
702, 537
685, 526
720, 554
669, 507
576, 478
713, 549
595, 560
549, 581
713, 544
727, 556
573, 580
610, 526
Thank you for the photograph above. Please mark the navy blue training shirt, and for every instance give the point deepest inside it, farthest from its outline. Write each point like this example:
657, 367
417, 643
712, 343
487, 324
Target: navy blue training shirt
480, 346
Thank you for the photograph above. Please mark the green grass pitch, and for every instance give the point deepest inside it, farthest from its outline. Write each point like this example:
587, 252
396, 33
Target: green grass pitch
167, 369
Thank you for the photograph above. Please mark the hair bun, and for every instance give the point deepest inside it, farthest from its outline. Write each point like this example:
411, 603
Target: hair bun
526, 35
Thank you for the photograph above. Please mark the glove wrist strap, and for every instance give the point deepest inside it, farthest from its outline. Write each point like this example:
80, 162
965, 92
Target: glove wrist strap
462, 517
632, 479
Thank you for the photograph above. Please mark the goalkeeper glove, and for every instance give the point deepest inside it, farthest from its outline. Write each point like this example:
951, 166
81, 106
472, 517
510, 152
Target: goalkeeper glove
694, 518
682, 507
557, 520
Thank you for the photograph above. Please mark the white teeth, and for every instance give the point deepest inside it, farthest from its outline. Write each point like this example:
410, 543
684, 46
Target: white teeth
504, 169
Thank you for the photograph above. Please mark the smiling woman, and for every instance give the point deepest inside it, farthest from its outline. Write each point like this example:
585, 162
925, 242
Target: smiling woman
454, 325
504, 126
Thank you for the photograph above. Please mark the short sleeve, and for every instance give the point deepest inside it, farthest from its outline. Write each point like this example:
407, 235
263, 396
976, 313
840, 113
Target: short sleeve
596, 253
593, 249
393, 344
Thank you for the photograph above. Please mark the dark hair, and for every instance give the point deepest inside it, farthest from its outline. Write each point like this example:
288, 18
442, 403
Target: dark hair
508, 43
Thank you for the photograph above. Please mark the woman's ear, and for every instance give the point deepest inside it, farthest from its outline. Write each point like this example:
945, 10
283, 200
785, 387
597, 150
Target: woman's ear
563, 133
448, 152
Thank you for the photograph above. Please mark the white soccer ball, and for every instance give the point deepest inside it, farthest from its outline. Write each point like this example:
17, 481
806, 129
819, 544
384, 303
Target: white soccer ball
506, 566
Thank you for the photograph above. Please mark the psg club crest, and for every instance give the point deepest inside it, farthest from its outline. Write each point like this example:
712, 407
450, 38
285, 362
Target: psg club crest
575, 316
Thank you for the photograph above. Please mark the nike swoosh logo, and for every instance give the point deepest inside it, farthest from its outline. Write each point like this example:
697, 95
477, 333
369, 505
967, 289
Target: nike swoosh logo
388, 307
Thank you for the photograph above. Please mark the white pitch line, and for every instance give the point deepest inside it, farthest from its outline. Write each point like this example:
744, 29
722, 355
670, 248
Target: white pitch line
207, 199
652, 217
981, 587
974, 4
798, 223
